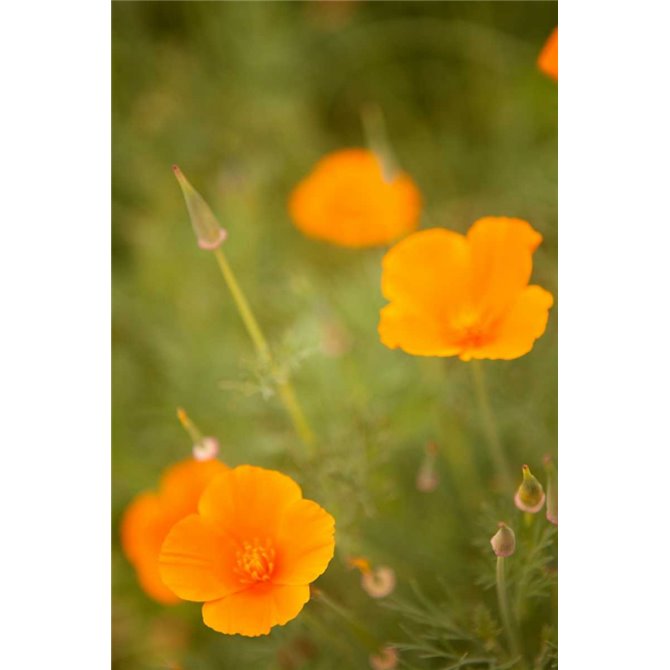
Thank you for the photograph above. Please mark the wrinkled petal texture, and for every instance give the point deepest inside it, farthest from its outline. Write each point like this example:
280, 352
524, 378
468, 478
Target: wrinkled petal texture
305, 543
149, 518
197, 561
452, 294
250, 552
256, 610
248, 501
426, 278
502, 262
346, 200
548, 59
143, 529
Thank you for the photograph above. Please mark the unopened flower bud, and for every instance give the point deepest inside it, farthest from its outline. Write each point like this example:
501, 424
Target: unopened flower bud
207, 229
385, 659
530, 494
504, 541
378, 582
206, 449
427, 479
552, 491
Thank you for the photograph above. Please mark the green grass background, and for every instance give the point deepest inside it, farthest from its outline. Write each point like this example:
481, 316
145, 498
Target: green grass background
245, 97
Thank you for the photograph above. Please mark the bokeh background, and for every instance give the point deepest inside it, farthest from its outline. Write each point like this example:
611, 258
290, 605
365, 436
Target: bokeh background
246, 97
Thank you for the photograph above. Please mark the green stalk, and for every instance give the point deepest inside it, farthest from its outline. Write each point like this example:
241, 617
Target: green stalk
503, 605
496, 451
365, 637
284, 387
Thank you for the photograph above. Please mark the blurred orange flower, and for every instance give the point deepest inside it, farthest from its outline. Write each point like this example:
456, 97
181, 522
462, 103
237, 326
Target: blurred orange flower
150, 516
547, 61
250, 552
348, 200
464, 295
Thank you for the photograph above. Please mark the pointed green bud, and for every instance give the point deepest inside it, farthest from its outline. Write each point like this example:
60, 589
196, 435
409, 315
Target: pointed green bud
552, 490
530, 495
504, 541
207, 229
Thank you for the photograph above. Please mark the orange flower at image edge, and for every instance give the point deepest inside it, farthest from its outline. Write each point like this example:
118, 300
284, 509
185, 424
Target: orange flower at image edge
464, 295
347, 200
548, 59
150, 516
250, 552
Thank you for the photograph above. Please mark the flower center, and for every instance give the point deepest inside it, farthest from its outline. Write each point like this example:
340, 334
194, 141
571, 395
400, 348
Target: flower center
469, 326
255, 561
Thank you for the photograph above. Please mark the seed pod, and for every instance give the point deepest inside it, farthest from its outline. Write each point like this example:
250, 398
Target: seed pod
529, 496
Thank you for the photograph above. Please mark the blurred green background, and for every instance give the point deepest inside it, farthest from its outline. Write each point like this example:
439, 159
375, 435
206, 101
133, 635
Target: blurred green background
245, 97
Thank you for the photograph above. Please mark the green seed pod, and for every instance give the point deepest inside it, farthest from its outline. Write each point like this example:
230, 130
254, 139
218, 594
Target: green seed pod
205, 225
529, 496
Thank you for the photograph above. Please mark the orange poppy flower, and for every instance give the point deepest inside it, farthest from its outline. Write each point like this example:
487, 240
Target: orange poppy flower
150, 516
547, 61
250, 552
464, 295
348, 200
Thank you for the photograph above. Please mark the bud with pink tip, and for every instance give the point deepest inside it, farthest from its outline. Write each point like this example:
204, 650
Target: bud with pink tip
529, 496
207, 229
503, 542
206, 449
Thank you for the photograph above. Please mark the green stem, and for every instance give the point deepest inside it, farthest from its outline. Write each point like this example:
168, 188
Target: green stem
496, 451
366, 638
503, 605
285, 389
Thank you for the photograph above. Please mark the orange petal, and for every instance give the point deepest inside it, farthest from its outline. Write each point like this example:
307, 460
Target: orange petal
305, 543
548, 59
346, 200
254, 611
183, 483
417, 333
502, 262
521, 326
197, 561
143, 528
427, 278
248, 501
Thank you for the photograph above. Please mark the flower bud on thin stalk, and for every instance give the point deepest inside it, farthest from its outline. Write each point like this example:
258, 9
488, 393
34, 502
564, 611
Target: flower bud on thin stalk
427, 479
205, 447
552, 490
503, 544
378, 582
529, 496
210, 237
377, 139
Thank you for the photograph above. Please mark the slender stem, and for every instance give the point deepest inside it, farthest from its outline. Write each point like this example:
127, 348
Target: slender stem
365, 636
285, 389
503, 605
243, 307
496, 450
